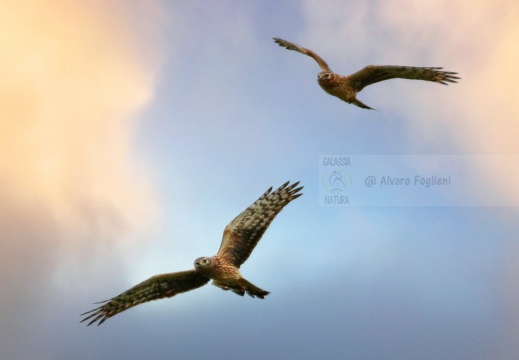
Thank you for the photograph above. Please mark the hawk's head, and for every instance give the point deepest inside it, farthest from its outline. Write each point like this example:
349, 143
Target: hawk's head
325, 76
328, 81
203, 263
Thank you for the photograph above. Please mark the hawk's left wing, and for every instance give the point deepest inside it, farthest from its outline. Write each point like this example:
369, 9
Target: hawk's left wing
156, 287
374, 73
242, 235
291, 46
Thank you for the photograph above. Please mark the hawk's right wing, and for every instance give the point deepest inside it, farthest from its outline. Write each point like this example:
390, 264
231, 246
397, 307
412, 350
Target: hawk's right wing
156, 287
374, 73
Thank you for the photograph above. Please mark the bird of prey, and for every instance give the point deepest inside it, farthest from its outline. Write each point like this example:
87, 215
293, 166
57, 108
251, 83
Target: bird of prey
347, 87
240, 237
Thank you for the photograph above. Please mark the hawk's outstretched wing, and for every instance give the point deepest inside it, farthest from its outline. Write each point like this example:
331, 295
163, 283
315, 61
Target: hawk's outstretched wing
242, 235
374, 73
156, 287
291, 46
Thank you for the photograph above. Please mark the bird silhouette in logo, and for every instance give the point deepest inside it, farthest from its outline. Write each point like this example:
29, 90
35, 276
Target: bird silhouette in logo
337, 181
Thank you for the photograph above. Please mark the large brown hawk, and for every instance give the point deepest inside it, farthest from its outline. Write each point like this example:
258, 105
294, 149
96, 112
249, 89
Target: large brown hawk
347, 87
240, 237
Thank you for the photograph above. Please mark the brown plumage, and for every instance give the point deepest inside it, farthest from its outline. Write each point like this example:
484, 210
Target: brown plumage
347, 87
240, 237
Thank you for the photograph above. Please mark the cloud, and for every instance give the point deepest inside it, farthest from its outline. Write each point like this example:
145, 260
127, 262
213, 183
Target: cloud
69, 91
72, 83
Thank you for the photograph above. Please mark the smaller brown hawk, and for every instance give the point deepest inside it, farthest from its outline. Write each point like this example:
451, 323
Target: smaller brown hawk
347, 87
240, 237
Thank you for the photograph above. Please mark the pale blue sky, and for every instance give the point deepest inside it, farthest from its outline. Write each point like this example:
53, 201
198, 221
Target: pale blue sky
228, 114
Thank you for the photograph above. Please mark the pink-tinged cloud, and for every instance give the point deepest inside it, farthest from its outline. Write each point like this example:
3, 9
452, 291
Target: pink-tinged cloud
73, 80
477, 39
70, 85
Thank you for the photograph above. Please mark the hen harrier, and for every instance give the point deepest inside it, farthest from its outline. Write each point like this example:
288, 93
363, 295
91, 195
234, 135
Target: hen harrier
239, 239
347, 87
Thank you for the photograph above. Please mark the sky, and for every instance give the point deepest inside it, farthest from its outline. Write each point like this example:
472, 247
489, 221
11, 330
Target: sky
133, 132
